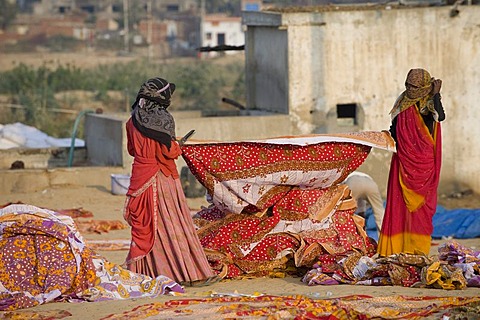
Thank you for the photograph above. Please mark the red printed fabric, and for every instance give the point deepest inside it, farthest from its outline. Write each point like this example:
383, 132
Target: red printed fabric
248, 244
253, 175
279, 200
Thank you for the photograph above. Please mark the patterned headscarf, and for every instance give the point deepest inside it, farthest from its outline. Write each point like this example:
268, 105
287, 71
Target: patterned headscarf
150, 115
419, 85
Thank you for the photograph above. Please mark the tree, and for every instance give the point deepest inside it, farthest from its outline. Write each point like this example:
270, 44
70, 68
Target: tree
8, 13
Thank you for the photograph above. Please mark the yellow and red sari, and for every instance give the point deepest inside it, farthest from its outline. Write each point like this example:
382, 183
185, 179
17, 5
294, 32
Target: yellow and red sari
412, 186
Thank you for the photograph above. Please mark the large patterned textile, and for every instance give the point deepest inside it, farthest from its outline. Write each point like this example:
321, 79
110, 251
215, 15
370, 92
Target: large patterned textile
253, 175
355, 307
43, 258
246, 244
278, 199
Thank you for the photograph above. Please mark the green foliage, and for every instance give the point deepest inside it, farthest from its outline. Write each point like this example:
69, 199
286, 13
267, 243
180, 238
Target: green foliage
200, 86
238, 93
61, 43
115, 43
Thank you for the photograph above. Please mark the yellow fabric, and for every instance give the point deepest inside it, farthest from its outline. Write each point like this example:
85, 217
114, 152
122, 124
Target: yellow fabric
439, 276
404, 242
413, 200
418, 90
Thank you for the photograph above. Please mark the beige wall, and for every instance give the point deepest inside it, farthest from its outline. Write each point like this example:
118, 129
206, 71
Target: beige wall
363, 56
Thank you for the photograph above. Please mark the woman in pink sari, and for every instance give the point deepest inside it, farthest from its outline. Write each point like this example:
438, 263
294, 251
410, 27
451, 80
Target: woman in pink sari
164, 240
415, 167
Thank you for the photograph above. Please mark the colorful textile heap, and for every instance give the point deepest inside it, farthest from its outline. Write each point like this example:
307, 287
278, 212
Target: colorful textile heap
299, 307
277, 199
466, 259
43, 258
455, 268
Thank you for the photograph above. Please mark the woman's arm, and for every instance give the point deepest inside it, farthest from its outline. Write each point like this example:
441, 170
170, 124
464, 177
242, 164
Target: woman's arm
437, 104
393, 129
173, 153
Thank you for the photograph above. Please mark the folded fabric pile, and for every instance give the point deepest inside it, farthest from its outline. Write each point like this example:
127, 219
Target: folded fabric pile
456, 267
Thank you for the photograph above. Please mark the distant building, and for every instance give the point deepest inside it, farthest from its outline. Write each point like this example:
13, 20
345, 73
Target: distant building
154, 34
218, 30
177, 6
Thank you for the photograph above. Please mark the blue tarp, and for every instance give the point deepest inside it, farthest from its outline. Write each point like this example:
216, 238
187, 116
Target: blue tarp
455, 223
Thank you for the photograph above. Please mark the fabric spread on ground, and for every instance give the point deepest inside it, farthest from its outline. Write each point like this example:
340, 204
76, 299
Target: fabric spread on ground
458, 223
298, 307
44, 258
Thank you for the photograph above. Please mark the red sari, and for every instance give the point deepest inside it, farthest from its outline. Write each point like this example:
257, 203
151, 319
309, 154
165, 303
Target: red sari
164, 240
412, 187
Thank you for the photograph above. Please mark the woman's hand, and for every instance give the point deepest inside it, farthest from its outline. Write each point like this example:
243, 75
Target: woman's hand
437, 85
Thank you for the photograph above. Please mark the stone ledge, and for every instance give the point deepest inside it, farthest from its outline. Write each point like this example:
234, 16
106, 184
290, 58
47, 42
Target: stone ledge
33, 180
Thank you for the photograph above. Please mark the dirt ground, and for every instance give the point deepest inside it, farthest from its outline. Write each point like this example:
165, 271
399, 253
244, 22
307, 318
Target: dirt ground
106, 206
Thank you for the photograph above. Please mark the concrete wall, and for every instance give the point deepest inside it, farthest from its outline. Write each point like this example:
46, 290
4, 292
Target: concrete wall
42, 158
37, 180
362, 57
104, 139
266, 78
218, 25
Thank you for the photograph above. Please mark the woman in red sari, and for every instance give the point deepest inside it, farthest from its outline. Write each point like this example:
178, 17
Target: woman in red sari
415, 167
164, 240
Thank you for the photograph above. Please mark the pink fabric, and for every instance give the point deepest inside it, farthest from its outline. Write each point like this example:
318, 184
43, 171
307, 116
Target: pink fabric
164, 241
177, 252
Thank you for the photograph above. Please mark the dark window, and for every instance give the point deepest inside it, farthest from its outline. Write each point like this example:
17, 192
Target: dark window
88, 8
347, 114
63, 9
220, 39
173, 8
117, 8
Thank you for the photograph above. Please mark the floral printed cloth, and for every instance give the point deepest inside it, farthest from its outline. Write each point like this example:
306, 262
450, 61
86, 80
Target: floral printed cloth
44, 258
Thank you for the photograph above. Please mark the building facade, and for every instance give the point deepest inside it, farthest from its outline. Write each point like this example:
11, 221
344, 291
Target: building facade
218, 30
341, 70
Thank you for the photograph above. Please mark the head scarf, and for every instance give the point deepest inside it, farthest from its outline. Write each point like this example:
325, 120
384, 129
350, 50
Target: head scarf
419, 85
150, 115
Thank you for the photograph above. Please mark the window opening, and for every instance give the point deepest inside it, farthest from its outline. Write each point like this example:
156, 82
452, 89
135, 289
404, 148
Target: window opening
347, 114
